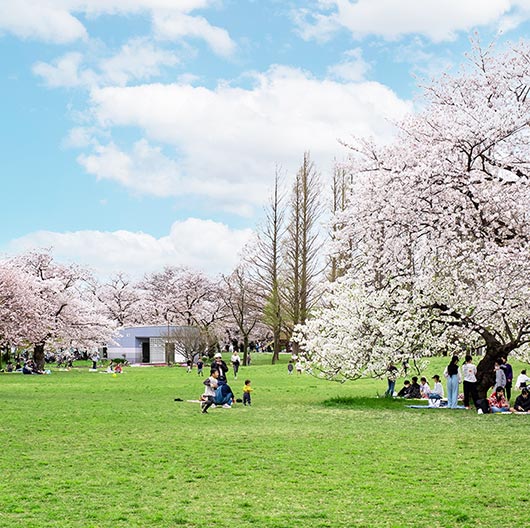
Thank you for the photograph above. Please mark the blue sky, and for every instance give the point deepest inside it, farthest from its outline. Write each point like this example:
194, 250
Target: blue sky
142, 133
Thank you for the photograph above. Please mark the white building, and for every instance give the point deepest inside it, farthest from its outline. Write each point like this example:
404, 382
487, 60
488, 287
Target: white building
147, 344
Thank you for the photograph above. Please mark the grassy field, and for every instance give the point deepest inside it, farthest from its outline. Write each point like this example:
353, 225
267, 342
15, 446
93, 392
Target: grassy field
82, 449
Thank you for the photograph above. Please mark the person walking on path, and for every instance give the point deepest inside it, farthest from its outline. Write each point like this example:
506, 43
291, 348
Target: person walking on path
469, 372
454, 377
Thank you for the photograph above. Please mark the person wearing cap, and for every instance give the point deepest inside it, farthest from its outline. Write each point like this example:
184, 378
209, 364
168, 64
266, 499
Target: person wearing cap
220, 366
437, 388
522, 402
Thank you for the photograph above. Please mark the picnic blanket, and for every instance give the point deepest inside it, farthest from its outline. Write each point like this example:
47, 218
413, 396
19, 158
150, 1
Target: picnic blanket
432, 407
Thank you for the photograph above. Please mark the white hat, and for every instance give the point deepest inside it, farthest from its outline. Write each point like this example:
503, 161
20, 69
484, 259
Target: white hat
218, 356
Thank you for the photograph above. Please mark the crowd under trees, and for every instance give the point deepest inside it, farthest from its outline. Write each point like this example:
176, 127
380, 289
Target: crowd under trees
429, 238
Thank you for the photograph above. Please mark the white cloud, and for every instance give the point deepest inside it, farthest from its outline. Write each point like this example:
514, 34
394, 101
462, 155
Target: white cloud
224, 143
352, 68
145, 169
63, 72
46, 21
55, 20
199, 244
175, 25
137, 60
390, 19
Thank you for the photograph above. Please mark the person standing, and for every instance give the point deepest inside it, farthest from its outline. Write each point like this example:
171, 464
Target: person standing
500, 376
220, 366
247, 389
508, 372
236, 362
95, 359
469, 372
200, 366
391, 376
454, 377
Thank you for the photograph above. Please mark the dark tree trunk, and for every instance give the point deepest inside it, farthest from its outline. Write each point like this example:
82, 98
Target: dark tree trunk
38, 355
485, 368
276, 349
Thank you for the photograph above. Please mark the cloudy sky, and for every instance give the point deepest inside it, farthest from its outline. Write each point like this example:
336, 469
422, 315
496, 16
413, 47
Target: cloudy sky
142, 133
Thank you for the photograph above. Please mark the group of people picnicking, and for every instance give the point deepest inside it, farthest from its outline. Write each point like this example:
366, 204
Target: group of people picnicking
27, 366
498, 401
217, 392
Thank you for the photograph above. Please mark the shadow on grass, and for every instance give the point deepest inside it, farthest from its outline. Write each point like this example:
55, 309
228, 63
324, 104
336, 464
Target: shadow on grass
363, 403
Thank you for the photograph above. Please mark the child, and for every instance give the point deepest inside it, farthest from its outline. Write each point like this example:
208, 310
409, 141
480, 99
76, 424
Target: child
200, 366
210, 385
247, 389
118, 369
290, 367
189, 366
299, 367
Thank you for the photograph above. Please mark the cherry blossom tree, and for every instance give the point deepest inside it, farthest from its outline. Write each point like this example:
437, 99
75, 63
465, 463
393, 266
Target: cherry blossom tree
438, 225
58, 308
181, 296
121, 298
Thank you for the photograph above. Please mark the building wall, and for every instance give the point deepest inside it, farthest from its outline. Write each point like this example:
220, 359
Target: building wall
129, 343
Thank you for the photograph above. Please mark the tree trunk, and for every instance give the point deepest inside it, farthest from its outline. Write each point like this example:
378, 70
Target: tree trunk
276, 348
38, 355
486, 366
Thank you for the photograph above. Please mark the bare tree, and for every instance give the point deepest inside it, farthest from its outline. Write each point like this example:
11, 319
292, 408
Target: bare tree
243, 304
337, 264
303, 263
188, 341
265, 264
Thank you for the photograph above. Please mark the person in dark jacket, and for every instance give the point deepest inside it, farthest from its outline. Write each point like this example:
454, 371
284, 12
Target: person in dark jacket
405, 390
522, 402
415, 389
508, 372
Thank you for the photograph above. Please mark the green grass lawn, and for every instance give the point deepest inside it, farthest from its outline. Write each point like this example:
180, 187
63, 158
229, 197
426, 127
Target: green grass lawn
82, 449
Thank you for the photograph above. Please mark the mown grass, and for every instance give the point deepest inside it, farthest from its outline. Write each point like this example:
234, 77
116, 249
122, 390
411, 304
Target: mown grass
82, 449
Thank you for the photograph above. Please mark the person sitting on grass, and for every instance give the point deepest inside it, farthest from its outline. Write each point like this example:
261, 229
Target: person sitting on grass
425, 390
405, 390
415, 389
224, 396
522, 402
497, 401
118, 369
